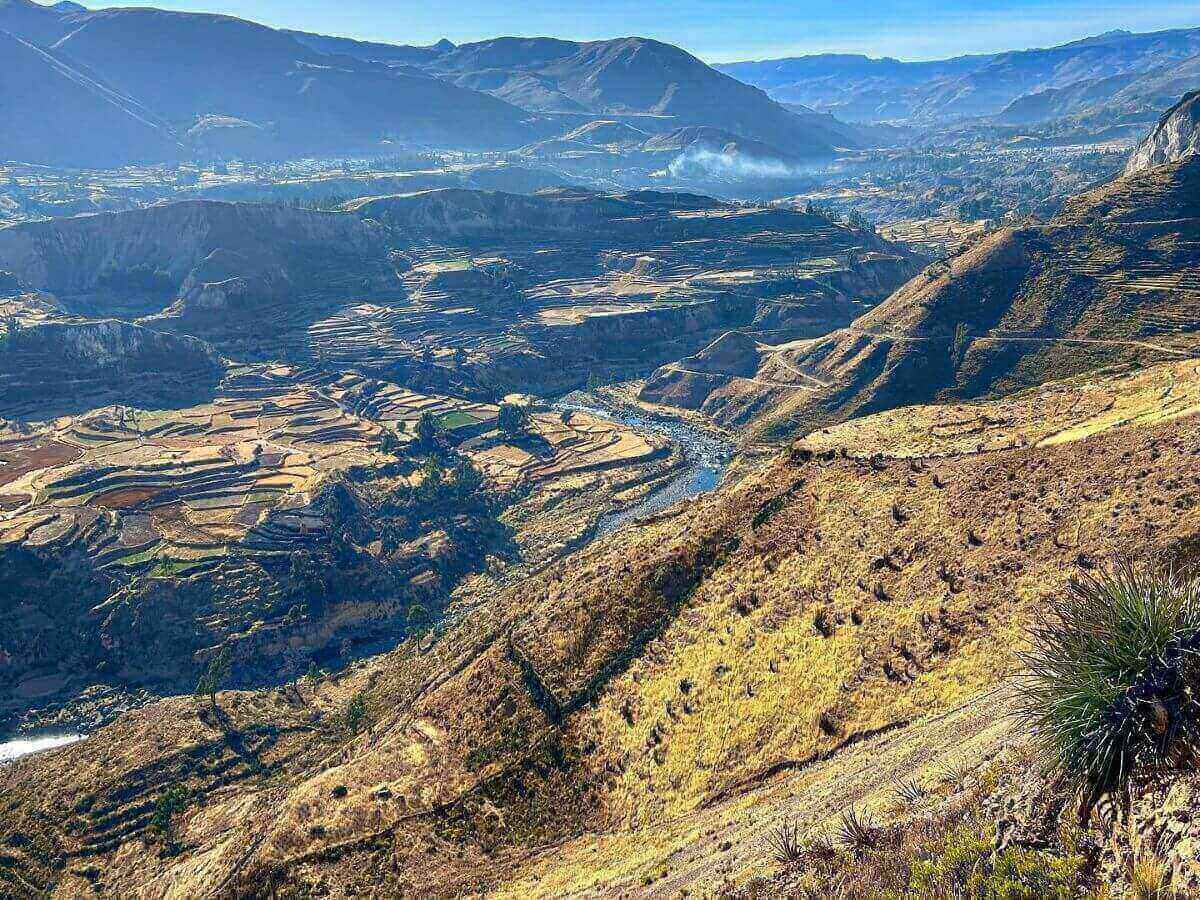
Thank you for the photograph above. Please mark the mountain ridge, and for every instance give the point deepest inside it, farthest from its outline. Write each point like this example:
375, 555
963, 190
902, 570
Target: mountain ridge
936, 91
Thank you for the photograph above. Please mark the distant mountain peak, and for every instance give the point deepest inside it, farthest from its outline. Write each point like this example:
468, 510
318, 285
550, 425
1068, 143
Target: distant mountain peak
444, 46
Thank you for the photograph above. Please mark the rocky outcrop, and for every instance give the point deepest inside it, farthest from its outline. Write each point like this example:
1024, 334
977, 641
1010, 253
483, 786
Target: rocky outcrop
228, 283
52, 367
1177, 135
150, 253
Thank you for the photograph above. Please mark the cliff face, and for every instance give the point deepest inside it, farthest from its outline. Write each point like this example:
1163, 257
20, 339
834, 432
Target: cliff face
153, 251
71, 366
1177, 135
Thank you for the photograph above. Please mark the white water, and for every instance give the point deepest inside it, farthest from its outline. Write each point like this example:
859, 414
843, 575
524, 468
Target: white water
15, 749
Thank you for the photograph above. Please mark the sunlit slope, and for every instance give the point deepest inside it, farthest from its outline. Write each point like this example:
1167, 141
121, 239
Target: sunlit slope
1114, 280
878, 574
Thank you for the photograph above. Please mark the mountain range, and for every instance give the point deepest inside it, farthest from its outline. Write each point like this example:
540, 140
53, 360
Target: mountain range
153, 85
1112, 281
820, 648
172, 83
1018, 86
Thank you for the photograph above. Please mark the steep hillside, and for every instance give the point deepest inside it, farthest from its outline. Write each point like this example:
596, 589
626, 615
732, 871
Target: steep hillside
55, 367
35, 22
58, 115
627, 76
639, 718
143, 260
185, 68
1107, 99
1176, 136
1114, 280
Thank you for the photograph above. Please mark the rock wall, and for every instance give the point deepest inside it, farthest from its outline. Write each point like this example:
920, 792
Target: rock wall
89, 364
78, 255
1175, 136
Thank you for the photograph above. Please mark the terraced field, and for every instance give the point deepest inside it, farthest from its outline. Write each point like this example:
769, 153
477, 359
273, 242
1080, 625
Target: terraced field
134, 486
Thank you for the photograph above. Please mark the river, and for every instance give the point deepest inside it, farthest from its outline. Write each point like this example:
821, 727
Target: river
24, 746
707, 456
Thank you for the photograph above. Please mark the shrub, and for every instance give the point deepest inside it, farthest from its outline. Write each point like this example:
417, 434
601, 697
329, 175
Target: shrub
910, 791
170, 802
785, 843
962, 865
356, 717
173, 800
857, 831
1111, 674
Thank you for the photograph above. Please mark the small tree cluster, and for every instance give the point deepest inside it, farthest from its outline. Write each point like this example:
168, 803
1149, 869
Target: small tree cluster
514, 419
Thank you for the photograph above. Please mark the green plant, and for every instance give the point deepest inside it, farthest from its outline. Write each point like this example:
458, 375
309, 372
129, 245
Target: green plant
170, 802
430, 432
961, 339
514, 419
1150, 881
1112, 674
355, 717
857, 831
910, 791
214, 675
785, 843
962, 864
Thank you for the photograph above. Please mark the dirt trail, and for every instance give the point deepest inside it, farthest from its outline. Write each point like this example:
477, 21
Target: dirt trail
1025, 339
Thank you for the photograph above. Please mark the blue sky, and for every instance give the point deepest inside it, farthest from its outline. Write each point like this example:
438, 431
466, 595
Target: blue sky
723, 30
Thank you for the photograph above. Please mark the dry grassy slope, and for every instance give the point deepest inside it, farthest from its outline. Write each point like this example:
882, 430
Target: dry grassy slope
625, 702
1114, 280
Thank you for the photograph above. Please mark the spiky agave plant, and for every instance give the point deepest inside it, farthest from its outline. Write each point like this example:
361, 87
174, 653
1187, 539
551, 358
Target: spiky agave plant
1112, 677
785, 843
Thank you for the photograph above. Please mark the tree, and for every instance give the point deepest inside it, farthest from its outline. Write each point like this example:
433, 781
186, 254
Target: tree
467, 479
389, 441
961, 340
173, 801
514, 419
356, 715
429, 489
214, 675
430, 432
